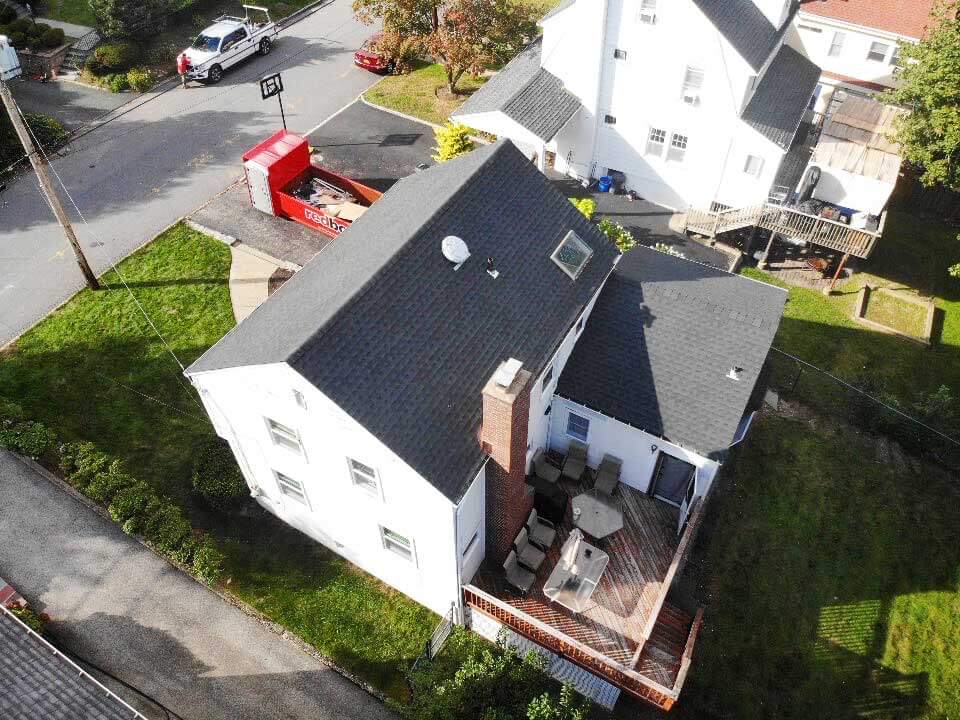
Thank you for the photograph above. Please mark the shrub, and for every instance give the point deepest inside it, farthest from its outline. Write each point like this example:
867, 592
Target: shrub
52, 38
668, 250
453, 140
21, 25
18, 39
7, 14
163, 54
49, 131
29, 617
188, 548
140, 79
9, 411
585, 205
166, 527
131, 503
208, 561
82, 462
617, 234
217, 478
105, 486
117, 82
116, 55
37, 30
27, 437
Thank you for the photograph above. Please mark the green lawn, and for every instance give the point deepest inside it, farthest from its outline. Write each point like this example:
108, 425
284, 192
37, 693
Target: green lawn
68, 372
893, 312
416, 93
72, 11
833, 584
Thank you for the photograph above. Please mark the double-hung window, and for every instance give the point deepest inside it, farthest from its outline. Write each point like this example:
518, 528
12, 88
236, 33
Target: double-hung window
578, 427
678, 147
284, 436
692, 85
878, 52
836, 45
753, 165
656, 141
364, 477
648, 12
397, 543
291, 487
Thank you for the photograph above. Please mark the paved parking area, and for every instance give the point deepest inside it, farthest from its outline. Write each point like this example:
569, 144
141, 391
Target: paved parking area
363, 143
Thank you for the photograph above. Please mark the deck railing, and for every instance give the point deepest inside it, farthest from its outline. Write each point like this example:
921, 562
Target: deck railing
793, 223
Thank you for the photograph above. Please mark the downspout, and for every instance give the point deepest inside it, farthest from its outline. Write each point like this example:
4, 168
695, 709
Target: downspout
595, 157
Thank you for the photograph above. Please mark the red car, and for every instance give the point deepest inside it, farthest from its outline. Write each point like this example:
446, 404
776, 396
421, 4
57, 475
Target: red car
369, 58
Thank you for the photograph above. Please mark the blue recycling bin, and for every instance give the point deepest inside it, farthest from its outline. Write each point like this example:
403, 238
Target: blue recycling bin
605, 183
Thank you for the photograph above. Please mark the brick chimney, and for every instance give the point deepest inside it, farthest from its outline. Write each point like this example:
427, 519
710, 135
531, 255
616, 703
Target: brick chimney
506, 415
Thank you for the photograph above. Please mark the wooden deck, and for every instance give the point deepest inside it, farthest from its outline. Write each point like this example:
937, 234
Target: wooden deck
640, 556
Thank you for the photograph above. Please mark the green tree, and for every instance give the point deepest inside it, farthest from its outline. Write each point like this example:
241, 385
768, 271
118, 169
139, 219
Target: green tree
453, 140
126, 18
929, 74
568, 707
406, 17
474, 35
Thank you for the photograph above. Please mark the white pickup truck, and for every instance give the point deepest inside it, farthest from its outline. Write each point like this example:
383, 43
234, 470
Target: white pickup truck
228, 41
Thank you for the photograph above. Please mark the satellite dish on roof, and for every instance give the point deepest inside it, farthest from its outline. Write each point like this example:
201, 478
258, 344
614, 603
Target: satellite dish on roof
455, 250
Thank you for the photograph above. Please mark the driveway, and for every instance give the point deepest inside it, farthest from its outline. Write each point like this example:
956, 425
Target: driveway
72, 103
121, 607
372, 146
163, 156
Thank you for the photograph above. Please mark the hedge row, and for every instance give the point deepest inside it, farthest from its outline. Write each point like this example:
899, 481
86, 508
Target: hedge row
24, 33
131, 502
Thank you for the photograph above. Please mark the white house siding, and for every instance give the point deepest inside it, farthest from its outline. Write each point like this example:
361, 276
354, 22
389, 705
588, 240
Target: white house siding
538, 428
583, 681
643, 91
471, 527
342, 516
814, 36
637, 449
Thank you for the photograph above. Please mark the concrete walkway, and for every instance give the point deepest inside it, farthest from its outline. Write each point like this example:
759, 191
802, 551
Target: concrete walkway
121, 607
69, 29
250, 273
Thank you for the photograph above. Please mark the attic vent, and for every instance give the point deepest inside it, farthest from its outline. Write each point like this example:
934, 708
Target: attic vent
507, 372
572, 255
455, 250
735, 373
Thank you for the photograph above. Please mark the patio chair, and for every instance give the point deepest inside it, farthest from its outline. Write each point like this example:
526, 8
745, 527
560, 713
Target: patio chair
542, 532
543, 469
608, 474
528, 555
517, 577
576, 460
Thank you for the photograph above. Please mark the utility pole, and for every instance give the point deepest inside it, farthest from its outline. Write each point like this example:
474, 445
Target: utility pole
40, 167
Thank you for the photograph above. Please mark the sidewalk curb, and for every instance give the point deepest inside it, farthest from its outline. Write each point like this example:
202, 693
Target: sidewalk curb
224, 595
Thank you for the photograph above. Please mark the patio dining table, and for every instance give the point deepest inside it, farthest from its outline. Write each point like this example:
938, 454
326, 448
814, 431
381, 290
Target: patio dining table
596, 514
577, 573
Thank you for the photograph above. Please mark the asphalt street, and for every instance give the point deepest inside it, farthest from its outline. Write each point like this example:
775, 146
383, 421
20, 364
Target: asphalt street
134, 176
124, 609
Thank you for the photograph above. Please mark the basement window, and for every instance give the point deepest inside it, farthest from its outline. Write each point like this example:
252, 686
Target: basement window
572, 255
397, 543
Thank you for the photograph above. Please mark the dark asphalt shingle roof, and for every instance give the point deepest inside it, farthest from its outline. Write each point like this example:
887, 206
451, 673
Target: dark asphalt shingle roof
660, 340
382, 324
745, 27
527, 94
37, 683
781, 98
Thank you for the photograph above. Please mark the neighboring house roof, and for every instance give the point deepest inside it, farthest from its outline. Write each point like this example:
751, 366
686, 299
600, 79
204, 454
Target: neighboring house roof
745, 27
783, 95
382, 324
560, 7
40, 683
661, 339
857, 139
527, 94
904, 17
866, 84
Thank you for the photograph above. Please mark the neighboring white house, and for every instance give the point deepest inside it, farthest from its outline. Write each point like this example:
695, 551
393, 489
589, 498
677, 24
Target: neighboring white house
390, 399
694, 101
857, 42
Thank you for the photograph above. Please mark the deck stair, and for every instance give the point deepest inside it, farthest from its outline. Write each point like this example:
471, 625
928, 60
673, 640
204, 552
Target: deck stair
663, 652
789, 222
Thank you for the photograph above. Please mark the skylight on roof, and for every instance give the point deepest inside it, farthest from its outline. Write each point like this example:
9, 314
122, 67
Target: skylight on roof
572, 255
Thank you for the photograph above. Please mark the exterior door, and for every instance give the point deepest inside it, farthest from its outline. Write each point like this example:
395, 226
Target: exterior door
672, 479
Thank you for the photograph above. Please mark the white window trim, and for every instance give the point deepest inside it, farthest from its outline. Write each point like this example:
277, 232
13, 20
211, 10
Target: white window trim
376, 491
303, 489
684, 149
690, 94
299, 399
273, 441
385, 544
566, 430
662, 145
746, 165
837, 41
648, 15
885, 55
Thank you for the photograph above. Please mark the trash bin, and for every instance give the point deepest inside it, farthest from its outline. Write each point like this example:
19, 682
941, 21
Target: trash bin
605, 183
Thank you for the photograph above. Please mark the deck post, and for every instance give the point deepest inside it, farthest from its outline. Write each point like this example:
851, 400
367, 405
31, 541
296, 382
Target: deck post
836, 275
766, 253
